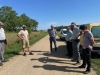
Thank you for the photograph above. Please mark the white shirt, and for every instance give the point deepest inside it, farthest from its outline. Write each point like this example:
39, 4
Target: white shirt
76, 32
24, 34
2, 34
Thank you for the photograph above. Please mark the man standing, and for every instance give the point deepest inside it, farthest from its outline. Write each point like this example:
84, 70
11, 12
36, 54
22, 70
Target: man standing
75, 43
52, 34
2, 43
23, 35
68, 42
88, 41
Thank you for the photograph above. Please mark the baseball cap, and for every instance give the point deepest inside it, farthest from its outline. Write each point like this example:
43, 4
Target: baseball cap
73, 23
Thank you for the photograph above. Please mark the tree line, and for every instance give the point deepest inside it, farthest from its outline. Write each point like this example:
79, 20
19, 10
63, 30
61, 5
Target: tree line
58, 28
13, 22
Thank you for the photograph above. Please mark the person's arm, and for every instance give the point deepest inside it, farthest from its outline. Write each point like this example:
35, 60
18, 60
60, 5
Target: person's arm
70, 36
55, 32
65, 37
19, 36
80, 33
91, 38
27, 35
5, 38
92, 42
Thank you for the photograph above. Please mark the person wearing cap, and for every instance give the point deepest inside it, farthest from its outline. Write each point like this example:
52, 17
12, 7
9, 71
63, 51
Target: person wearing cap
88, 41
2, 43
75, 43
24, 36
52, 37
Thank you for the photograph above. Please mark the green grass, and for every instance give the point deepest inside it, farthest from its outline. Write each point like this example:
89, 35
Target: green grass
96, 65
14, 45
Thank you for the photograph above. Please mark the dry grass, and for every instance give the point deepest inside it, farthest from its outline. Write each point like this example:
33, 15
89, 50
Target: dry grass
14, 46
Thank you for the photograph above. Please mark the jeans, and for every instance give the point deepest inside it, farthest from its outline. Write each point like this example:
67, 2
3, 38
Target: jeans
86, 53
53, 39
1, 51
76, 52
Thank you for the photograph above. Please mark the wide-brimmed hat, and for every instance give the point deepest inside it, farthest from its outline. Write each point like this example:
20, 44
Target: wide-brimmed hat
24, 26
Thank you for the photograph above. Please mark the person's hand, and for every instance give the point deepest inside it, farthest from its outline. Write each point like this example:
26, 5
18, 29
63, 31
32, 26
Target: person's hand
77, 37
22, 38
91, 47
5, 41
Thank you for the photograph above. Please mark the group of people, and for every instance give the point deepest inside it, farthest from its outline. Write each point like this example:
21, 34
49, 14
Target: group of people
72, 40
22, 34
73, 44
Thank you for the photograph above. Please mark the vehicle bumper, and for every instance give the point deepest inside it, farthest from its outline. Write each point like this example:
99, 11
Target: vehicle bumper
63, 38
96, 49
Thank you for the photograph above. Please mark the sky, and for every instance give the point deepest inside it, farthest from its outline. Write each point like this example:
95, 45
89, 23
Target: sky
57, 12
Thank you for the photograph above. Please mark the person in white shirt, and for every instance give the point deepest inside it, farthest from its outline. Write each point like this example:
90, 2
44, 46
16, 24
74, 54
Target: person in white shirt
2, 43
69, 42
23, 35
75, 43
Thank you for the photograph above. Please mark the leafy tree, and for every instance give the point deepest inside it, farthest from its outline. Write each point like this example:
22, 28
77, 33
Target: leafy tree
12, 21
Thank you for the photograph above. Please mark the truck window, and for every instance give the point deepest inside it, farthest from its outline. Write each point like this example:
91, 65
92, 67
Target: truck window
65, 32
96, 31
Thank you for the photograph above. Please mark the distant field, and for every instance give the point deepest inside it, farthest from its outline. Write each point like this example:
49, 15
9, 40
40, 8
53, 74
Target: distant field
14, 46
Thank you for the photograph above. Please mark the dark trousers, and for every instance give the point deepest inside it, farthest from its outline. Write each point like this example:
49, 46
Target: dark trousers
69, 48
53, 39
86, 53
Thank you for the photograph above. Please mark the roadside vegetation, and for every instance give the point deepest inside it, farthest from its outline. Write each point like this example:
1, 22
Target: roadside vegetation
14, 45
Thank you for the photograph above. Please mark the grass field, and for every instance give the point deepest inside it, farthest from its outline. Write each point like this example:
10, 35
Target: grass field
14, 45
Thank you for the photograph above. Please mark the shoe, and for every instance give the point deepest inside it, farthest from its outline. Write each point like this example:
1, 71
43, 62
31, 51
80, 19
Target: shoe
24, 54
77, 64
86, 72
81, 66
30, 53
73, 60
1, 64
5, 60
55, 50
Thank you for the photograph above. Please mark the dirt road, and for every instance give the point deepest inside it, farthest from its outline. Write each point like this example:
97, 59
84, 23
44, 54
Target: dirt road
42, 62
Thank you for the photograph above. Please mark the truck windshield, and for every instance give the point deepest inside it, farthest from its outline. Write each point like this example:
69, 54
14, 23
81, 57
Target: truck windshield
65, 32
96, 31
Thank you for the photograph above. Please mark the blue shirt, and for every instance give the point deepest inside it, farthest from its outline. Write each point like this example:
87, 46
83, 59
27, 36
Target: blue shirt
69, 35
52, 32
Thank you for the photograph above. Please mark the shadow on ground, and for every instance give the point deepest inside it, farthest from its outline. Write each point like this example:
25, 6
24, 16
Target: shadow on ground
58, 68
47, 59
61, 52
